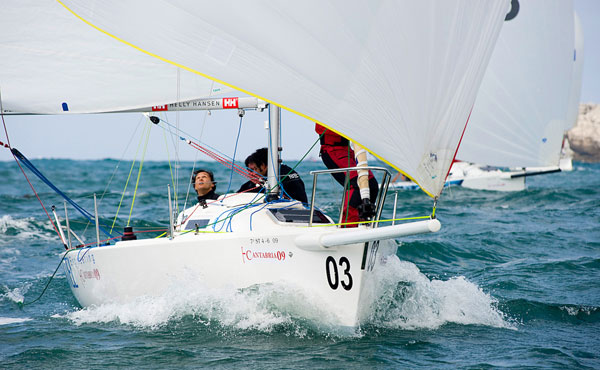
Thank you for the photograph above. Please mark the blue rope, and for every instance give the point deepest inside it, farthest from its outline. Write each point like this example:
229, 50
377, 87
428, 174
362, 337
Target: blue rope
37, 172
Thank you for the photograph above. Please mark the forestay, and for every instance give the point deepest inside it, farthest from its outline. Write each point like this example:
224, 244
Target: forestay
521, 110
398, 77
57, 64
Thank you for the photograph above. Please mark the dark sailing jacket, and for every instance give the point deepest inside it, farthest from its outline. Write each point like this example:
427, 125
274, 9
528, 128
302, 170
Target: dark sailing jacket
211, 195
292, 185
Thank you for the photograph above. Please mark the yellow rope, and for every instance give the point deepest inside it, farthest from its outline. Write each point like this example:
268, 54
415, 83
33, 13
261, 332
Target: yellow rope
373, 221
139, 173
194, 231
128, 178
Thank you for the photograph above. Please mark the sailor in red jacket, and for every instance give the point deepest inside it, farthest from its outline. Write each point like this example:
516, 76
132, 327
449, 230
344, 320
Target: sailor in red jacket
336, 152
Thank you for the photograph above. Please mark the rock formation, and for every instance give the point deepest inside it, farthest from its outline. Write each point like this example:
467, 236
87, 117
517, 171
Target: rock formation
584, 138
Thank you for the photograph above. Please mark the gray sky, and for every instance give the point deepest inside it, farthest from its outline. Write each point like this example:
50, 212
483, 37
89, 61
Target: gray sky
108, 135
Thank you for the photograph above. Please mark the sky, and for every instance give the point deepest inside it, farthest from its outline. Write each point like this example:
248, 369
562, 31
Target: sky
117, 135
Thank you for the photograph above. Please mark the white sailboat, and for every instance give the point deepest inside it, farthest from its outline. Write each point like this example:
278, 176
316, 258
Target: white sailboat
399, 78
526, 101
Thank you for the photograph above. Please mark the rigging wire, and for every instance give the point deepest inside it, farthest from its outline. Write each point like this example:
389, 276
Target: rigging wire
129, 175
41, 176
8, 146
139, 173
113, 175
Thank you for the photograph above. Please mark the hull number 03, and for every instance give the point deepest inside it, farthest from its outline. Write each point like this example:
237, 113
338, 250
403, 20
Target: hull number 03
333, 276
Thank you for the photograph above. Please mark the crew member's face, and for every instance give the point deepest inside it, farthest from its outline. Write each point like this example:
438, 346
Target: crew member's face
203, 183
262, 169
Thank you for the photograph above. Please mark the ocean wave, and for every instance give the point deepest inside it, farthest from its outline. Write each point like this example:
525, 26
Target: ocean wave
26, 228
528, 310
410, 300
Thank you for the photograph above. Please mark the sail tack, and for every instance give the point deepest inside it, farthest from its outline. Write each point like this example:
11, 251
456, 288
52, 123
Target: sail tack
521, 111
397, 77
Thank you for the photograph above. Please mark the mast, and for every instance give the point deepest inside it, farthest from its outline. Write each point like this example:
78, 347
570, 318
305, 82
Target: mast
273, 153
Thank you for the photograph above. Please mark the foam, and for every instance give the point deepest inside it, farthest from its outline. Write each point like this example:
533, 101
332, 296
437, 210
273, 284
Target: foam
16, 295
407, 299
265, 308
410, 300
13, 320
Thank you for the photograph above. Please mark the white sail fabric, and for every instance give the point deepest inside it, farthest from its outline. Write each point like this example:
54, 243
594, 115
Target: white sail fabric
578, 56
398, 77
51, 61
521, 110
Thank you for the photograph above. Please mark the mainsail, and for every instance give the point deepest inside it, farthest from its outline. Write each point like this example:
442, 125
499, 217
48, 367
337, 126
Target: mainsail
521, 111
56, 64
397, 77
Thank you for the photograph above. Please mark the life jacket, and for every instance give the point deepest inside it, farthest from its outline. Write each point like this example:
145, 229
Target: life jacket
330, 137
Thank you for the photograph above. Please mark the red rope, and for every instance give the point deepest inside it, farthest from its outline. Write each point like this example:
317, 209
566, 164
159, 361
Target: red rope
224, 161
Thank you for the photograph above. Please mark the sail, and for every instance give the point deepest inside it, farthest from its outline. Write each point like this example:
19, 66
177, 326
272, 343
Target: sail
575, 94
397, 77
51, 62
521, 110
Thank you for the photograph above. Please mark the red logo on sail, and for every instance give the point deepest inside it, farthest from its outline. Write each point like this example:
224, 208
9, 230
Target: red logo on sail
229, 103
160, 108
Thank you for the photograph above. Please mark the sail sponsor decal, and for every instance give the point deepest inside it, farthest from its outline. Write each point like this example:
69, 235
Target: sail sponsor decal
221, 103
230, 103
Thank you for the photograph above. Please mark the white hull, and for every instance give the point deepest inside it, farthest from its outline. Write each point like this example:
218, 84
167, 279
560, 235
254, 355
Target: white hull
473, 176
338, 276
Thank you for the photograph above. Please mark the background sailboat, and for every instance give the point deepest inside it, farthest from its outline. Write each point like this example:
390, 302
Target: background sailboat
526, 99
374, 72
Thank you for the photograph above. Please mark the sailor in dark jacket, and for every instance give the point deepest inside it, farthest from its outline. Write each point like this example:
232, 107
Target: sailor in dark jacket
205, 185
292, 184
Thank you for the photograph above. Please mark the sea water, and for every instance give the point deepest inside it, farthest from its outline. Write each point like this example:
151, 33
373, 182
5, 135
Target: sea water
511, 280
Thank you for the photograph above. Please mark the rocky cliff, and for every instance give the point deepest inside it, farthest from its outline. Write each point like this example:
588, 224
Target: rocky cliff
584, 138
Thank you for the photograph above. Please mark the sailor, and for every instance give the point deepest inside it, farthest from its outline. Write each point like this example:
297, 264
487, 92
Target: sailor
205, 185
291, 183
336, 152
